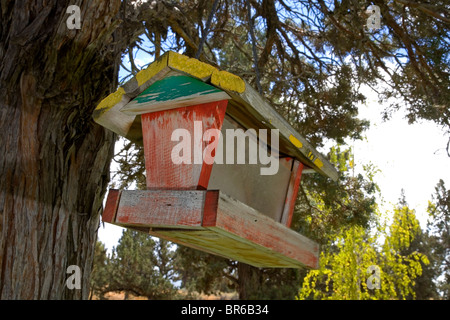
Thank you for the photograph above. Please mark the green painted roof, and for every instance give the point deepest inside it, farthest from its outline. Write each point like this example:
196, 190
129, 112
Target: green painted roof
176, 90
175, 87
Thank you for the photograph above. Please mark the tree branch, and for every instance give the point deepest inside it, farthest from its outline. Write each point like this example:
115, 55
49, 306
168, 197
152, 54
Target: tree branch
427, 9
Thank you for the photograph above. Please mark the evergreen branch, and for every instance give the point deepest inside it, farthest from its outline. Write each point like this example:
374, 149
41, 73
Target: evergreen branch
425, 8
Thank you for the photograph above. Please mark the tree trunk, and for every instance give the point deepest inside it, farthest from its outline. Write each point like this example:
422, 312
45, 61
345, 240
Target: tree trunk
247, 281
54, 160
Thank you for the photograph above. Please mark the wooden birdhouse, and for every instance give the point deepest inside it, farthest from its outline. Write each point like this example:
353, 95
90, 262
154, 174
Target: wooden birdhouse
222, 166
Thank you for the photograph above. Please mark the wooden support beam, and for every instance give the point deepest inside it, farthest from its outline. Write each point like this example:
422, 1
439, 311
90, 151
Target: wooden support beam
213, 222
291, 195
112, 202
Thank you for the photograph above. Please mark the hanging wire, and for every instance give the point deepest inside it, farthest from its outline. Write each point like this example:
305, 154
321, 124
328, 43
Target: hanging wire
206, 30
255, 54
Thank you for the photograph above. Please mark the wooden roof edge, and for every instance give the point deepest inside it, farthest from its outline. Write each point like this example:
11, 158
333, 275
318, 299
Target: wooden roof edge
299, 146
108, 113
237, 87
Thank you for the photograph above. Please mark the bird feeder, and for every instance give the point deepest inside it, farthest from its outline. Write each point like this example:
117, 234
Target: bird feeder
202, 191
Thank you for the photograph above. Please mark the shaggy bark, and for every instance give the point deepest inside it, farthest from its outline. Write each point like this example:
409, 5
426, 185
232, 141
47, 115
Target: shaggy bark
54, 160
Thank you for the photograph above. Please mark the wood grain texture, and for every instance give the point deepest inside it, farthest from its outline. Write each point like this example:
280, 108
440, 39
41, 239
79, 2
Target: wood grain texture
54, 161
228, 247
249, 227
213, 222
112, 203
108, 113
157, 128
165, 208
291, 196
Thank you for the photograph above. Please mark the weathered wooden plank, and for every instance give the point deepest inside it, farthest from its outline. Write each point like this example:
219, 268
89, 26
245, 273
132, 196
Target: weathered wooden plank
165, 208
250, 99
244, 182
174, 91
291, 195
210, 214
112, 202
205, 72
108, 114
158, 127
213, 222
255, 109
228, 247
247, 225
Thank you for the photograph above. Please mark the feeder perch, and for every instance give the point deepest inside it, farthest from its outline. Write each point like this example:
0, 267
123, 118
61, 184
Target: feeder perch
204, 201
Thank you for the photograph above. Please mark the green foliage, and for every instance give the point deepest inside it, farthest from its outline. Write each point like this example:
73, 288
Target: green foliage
139, 265
439, 233
425, 284
99, 275
324, 206
131, 166
202, 272
142, 266
342, 275
344, 264
274, 284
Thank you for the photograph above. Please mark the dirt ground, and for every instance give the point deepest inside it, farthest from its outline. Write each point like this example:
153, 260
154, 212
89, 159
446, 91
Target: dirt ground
195, 296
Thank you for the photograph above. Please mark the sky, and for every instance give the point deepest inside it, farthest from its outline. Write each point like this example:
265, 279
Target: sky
410, 157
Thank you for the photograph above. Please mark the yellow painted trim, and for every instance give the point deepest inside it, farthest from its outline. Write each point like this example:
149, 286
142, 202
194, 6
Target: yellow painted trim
318, 163
109, 102
204, 71
190, 66
228, 81
146, 74
295, 141
299, 145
